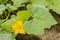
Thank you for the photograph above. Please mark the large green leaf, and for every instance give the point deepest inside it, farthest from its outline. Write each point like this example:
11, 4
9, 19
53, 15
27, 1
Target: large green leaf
55, 5
6, 36
41, 19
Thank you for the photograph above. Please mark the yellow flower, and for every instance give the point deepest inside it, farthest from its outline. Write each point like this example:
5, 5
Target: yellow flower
18, 27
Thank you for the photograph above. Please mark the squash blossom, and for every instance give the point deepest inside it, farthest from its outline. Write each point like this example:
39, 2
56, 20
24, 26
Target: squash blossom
18, 27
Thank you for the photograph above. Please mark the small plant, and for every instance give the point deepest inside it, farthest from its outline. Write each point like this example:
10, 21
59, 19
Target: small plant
26, 16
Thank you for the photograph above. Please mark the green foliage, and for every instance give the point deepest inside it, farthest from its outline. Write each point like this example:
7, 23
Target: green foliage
11, 7
21, 15
2, 8
54, 5
39, 2
3, 1
18, 3
34, 13
6, 36
7, 26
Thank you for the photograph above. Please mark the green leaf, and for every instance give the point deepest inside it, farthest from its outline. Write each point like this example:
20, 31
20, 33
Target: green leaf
13, 16
41, 19
1, 21
11, 7
7, 26
39, 2
6, 36
0, 1
54, 5
23, 15
18, 3
3, 1
2, 8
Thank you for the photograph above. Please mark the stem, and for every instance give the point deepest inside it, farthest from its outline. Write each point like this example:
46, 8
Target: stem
8, 16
